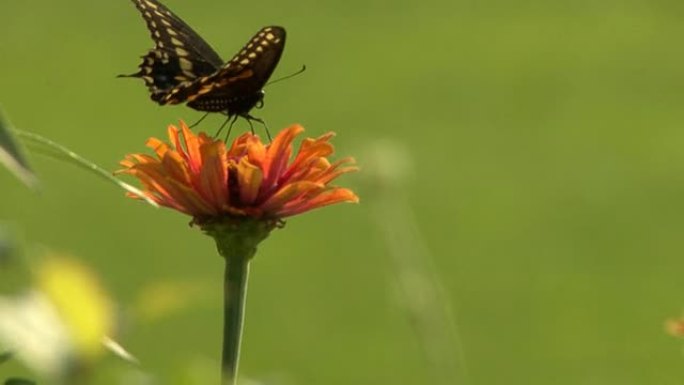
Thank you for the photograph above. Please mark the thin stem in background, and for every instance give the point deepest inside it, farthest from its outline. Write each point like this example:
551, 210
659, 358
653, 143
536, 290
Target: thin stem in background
425, 301
80, 161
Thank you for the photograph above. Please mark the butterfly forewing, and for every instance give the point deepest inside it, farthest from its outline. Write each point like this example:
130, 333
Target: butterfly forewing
236, 87
170, 32
260, 55
179, 55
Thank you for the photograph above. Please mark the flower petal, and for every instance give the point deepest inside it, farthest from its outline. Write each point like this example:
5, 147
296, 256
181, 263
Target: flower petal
192, 146
278, 154
249, 179
213, 176
288, 193
329, 197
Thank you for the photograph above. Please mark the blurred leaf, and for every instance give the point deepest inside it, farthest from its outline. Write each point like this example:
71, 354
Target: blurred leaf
19, 381
12, 156
6, 246
5, 356
14, 268
70, 156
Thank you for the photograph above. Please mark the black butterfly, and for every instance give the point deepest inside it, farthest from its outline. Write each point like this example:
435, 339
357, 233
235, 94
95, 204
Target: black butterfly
183, 68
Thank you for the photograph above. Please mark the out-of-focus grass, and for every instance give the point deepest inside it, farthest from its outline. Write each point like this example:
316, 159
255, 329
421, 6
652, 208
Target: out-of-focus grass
547, 139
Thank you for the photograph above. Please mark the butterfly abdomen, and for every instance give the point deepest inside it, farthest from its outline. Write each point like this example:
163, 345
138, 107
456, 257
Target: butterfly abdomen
237, 105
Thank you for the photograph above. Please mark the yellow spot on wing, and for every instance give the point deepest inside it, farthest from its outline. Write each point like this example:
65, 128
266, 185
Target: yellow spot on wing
185, 64
270, 36
244, 61
176, 42
151, 4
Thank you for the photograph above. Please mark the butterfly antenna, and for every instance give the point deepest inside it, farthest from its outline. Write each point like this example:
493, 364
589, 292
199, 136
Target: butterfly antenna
200, 120
288, 76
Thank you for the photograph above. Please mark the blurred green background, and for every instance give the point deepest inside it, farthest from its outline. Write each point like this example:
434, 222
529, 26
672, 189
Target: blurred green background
530, 153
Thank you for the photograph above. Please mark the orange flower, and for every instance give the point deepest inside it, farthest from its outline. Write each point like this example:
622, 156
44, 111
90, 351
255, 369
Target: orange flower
200, 176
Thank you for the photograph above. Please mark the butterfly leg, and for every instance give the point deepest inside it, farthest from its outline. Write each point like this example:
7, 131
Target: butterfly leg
200, 120
250, 118
251, 126
222, 126
266, 128
230, 128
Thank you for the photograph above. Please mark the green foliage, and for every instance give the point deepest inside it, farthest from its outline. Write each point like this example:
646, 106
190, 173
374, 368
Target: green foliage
546, 146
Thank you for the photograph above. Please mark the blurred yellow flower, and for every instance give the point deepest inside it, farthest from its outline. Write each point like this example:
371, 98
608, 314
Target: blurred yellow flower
79, 299
62, 320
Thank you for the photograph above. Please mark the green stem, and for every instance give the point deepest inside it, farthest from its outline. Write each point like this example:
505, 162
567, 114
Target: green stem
235, 293
236, 241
